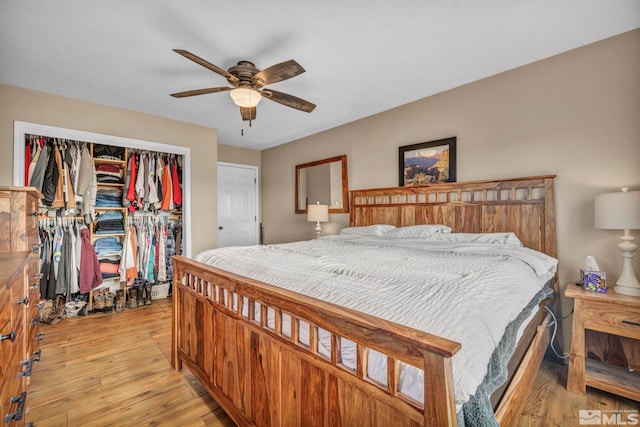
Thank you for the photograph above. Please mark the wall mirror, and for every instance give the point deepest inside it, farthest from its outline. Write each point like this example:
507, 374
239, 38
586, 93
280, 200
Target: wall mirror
323, 181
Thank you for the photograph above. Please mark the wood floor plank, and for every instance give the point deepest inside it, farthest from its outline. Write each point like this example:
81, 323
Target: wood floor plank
114, 370
551, 404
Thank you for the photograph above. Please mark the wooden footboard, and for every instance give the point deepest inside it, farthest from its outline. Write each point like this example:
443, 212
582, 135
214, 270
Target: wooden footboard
258, 351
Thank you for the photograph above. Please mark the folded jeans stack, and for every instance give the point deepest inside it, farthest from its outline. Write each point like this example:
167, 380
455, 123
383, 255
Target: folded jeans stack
107, 246
109, 199
110, 222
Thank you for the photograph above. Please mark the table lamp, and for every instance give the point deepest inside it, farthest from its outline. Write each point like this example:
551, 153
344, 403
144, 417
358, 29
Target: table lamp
318, 213
621, 211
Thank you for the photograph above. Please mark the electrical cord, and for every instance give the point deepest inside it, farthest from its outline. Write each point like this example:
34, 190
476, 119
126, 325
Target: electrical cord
554, 323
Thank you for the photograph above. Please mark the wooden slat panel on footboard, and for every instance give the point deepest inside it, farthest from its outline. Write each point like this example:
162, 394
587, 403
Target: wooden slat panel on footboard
256, 350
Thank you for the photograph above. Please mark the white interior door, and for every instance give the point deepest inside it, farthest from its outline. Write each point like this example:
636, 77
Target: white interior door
237, 205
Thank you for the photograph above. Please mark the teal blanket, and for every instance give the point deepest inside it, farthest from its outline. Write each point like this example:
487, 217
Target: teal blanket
478, 412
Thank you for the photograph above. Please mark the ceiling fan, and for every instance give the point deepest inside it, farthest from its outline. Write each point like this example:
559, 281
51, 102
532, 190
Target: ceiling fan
247, 84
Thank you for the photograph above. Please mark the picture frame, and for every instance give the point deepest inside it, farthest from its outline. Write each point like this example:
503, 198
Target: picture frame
426, 163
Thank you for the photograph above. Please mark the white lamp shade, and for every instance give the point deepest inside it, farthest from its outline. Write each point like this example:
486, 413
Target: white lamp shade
245, 97
618, 211
318, 213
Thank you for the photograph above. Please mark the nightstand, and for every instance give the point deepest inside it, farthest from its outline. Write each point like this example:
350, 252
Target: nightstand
609, 313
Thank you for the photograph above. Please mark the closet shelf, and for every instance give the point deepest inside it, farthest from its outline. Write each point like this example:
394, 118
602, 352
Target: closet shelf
111, 184
98, 236
109, 254
110, 161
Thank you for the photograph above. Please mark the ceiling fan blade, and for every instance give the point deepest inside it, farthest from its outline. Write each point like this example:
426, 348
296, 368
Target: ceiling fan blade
277, 73
200, 91
289, 100
206, 64
248, 113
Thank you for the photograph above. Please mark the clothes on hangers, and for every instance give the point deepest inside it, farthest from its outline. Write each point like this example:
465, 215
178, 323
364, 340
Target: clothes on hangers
69, 176
90, 275
37, 176
128, 260
148, 246
152, 182
175, 181
60, 255
64, 172
87, 184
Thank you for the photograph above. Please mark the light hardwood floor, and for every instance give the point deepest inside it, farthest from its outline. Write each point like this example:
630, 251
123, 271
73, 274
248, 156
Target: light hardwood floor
113, 370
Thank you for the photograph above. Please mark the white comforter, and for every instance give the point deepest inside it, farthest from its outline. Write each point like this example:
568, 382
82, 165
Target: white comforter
466, 292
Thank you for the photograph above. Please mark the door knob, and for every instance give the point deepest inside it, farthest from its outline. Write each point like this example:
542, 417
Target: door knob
220, 227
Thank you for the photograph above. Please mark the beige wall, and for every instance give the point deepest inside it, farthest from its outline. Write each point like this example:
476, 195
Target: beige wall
576, 115
46, 109
241, 156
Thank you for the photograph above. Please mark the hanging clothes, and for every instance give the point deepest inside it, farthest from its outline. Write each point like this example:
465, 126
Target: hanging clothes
128, 263
45, 259
131, 190
67, 174
37, 177
87, 184
127, 182
140, 181
50, 179
90, 276
154, 199
170, 250
161, 250
64, 196
175, 181
167, 197
27, 162
36, 150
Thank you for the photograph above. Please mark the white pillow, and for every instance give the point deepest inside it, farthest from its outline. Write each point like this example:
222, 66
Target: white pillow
491, 238
370, 230
417, 231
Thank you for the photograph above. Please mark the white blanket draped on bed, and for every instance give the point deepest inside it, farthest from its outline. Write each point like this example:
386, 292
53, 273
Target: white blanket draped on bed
466, 292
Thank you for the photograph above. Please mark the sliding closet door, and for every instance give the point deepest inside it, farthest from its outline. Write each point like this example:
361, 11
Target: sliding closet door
237, 205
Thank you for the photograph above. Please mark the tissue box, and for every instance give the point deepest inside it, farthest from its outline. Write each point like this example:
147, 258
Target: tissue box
595, 281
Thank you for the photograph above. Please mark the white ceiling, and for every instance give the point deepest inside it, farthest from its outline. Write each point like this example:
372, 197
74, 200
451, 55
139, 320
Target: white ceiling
361, 56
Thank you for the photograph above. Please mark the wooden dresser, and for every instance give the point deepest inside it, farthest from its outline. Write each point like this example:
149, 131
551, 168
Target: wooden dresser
19, 298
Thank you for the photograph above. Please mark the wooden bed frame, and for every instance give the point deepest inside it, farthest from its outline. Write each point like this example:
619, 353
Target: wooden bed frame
266, 376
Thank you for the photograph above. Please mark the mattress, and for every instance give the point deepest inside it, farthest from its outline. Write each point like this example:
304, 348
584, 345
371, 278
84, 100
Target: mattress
468, 292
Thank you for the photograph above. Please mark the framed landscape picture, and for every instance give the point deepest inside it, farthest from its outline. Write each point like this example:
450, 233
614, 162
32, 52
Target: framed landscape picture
428, 162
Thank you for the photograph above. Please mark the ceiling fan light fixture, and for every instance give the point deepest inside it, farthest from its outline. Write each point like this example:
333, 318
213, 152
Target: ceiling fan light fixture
245, 97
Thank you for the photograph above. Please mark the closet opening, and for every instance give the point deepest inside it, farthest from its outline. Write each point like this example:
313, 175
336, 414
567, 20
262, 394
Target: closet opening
116, 207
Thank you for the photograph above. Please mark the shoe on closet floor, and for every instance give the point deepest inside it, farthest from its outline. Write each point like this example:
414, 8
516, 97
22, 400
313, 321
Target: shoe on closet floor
132, 297
98, 300
109, 298
140, 295
120, 301
147, 294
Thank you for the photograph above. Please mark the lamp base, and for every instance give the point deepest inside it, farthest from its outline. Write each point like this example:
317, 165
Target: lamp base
628, 290
627, 284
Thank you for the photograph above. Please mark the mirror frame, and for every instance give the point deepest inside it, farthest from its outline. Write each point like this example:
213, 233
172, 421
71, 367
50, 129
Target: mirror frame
345, 183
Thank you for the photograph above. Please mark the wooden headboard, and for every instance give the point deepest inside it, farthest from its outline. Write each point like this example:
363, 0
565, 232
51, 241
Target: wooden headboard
524, 206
